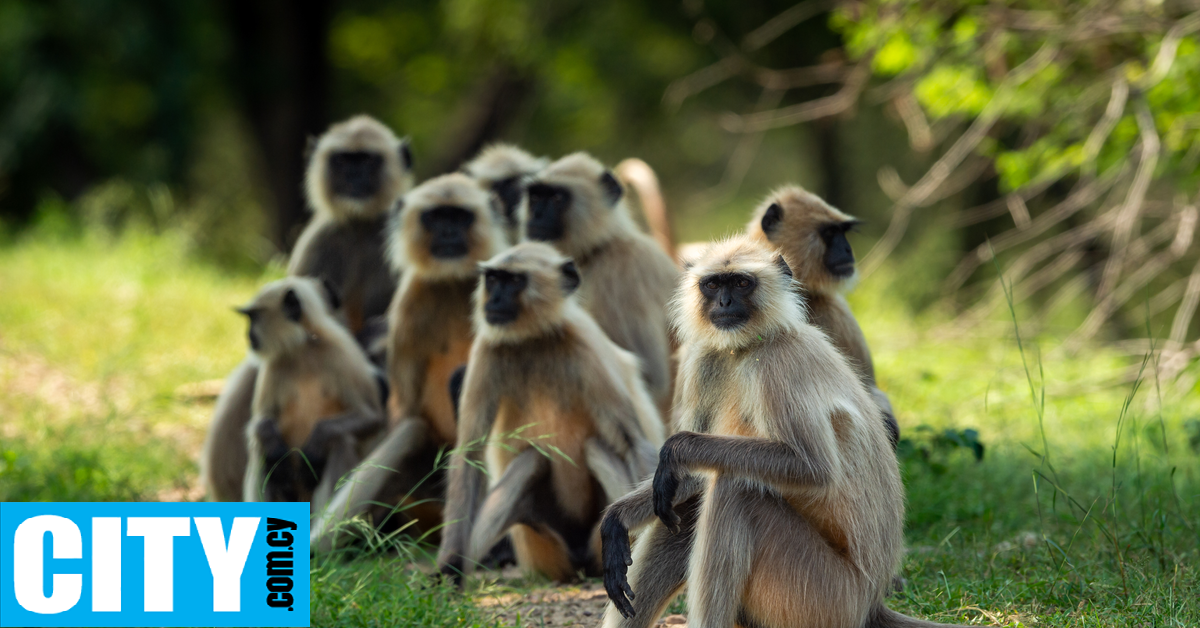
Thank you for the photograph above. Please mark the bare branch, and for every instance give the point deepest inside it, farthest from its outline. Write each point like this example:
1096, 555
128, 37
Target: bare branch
782, 23
825, 107
1186, 314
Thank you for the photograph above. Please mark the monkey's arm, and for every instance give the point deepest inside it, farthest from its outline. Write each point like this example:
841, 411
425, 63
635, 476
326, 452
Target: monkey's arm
632, 512
407, 375
805, 462
354, 424
266, 450
467, 484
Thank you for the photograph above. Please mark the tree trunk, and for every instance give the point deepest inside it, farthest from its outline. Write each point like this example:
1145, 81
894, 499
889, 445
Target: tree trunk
281, 76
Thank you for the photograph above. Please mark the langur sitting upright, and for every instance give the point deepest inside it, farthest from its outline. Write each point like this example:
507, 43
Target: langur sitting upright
317, 395
356, 171
501, 167
540, 367
812, 237
439, 232
778, 503
577, 205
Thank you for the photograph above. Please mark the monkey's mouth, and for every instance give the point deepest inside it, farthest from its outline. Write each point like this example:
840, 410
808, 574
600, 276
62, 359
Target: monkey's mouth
499, 315
448, 250
544, 233
842, 270
729, 321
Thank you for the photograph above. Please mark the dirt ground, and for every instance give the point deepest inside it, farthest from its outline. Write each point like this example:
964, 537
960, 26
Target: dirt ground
570, 606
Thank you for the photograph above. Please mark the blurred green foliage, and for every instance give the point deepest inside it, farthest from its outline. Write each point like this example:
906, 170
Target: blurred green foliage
958, 55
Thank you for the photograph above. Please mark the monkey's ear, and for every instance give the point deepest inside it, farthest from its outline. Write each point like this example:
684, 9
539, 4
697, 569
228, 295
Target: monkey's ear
783, 265
291, 306
331, 295
570, 277
406, 157
611, 187
772, 218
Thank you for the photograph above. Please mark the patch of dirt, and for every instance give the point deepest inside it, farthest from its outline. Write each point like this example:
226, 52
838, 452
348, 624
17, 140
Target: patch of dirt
569, 606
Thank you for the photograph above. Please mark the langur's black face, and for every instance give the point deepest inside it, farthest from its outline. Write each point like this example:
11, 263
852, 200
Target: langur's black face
727, 298
449, 228
355, 174
503, 291
839, 257
547, 206
290, 307
509, 191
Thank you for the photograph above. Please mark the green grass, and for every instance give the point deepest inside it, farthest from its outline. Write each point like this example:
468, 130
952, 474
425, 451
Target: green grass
1084, 510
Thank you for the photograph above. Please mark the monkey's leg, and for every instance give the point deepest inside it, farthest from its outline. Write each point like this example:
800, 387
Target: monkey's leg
659, 571
340, 460
511, 501
889, 417
721, 555
608, 468
361, 489
224, 458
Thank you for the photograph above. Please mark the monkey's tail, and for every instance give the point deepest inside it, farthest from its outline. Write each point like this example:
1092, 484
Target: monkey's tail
640, 176
884, 617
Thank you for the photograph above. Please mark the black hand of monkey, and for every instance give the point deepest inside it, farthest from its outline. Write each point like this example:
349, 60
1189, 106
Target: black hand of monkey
274, 448
666, 485
614, 543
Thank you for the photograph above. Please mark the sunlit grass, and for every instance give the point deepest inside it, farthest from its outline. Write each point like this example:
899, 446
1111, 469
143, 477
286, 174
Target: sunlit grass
97, 335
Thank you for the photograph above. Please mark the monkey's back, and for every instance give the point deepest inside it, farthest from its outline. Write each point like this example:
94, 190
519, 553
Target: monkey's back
626, 286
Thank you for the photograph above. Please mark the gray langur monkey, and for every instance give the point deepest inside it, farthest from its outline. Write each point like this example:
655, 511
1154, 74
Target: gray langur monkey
541, 368
356, 170
578, 205
438, 233
811, 235
318, 400
778, 503
501, 168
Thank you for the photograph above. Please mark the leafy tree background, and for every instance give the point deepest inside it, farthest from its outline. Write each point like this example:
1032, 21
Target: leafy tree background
957, 129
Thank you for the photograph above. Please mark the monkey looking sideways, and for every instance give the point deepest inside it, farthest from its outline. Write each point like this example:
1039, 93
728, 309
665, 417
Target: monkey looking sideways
778, 503
577, 205
541, 367
438, 234
356, 171
501, 167
318, 401
812, 237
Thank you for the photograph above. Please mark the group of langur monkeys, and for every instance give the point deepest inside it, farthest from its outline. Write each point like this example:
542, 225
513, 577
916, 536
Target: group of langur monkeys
515, 314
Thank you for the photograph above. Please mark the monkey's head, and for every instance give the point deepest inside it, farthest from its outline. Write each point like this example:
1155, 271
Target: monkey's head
575, 204
811, 235
737, 292
522, 292
288, 314
501, 167
357, 168
444, 227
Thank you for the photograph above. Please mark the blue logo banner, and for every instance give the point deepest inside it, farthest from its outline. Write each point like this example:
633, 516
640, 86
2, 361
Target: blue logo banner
154, 564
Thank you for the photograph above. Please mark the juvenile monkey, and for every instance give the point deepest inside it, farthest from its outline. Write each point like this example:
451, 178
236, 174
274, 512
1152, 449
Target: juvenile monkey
500, 167
541, 367
316, 393
577, 205
812, 237
779, 502
356, 171
441, 230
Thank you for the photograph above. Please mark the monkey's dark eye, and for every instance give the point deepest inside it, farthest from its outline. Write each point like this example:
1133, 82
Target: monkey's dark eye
711, 285
743, 283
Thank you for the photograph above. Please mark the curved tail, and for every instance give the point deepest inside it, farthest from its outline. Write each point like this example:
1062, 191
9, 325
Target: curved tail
638, 175
884, 617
